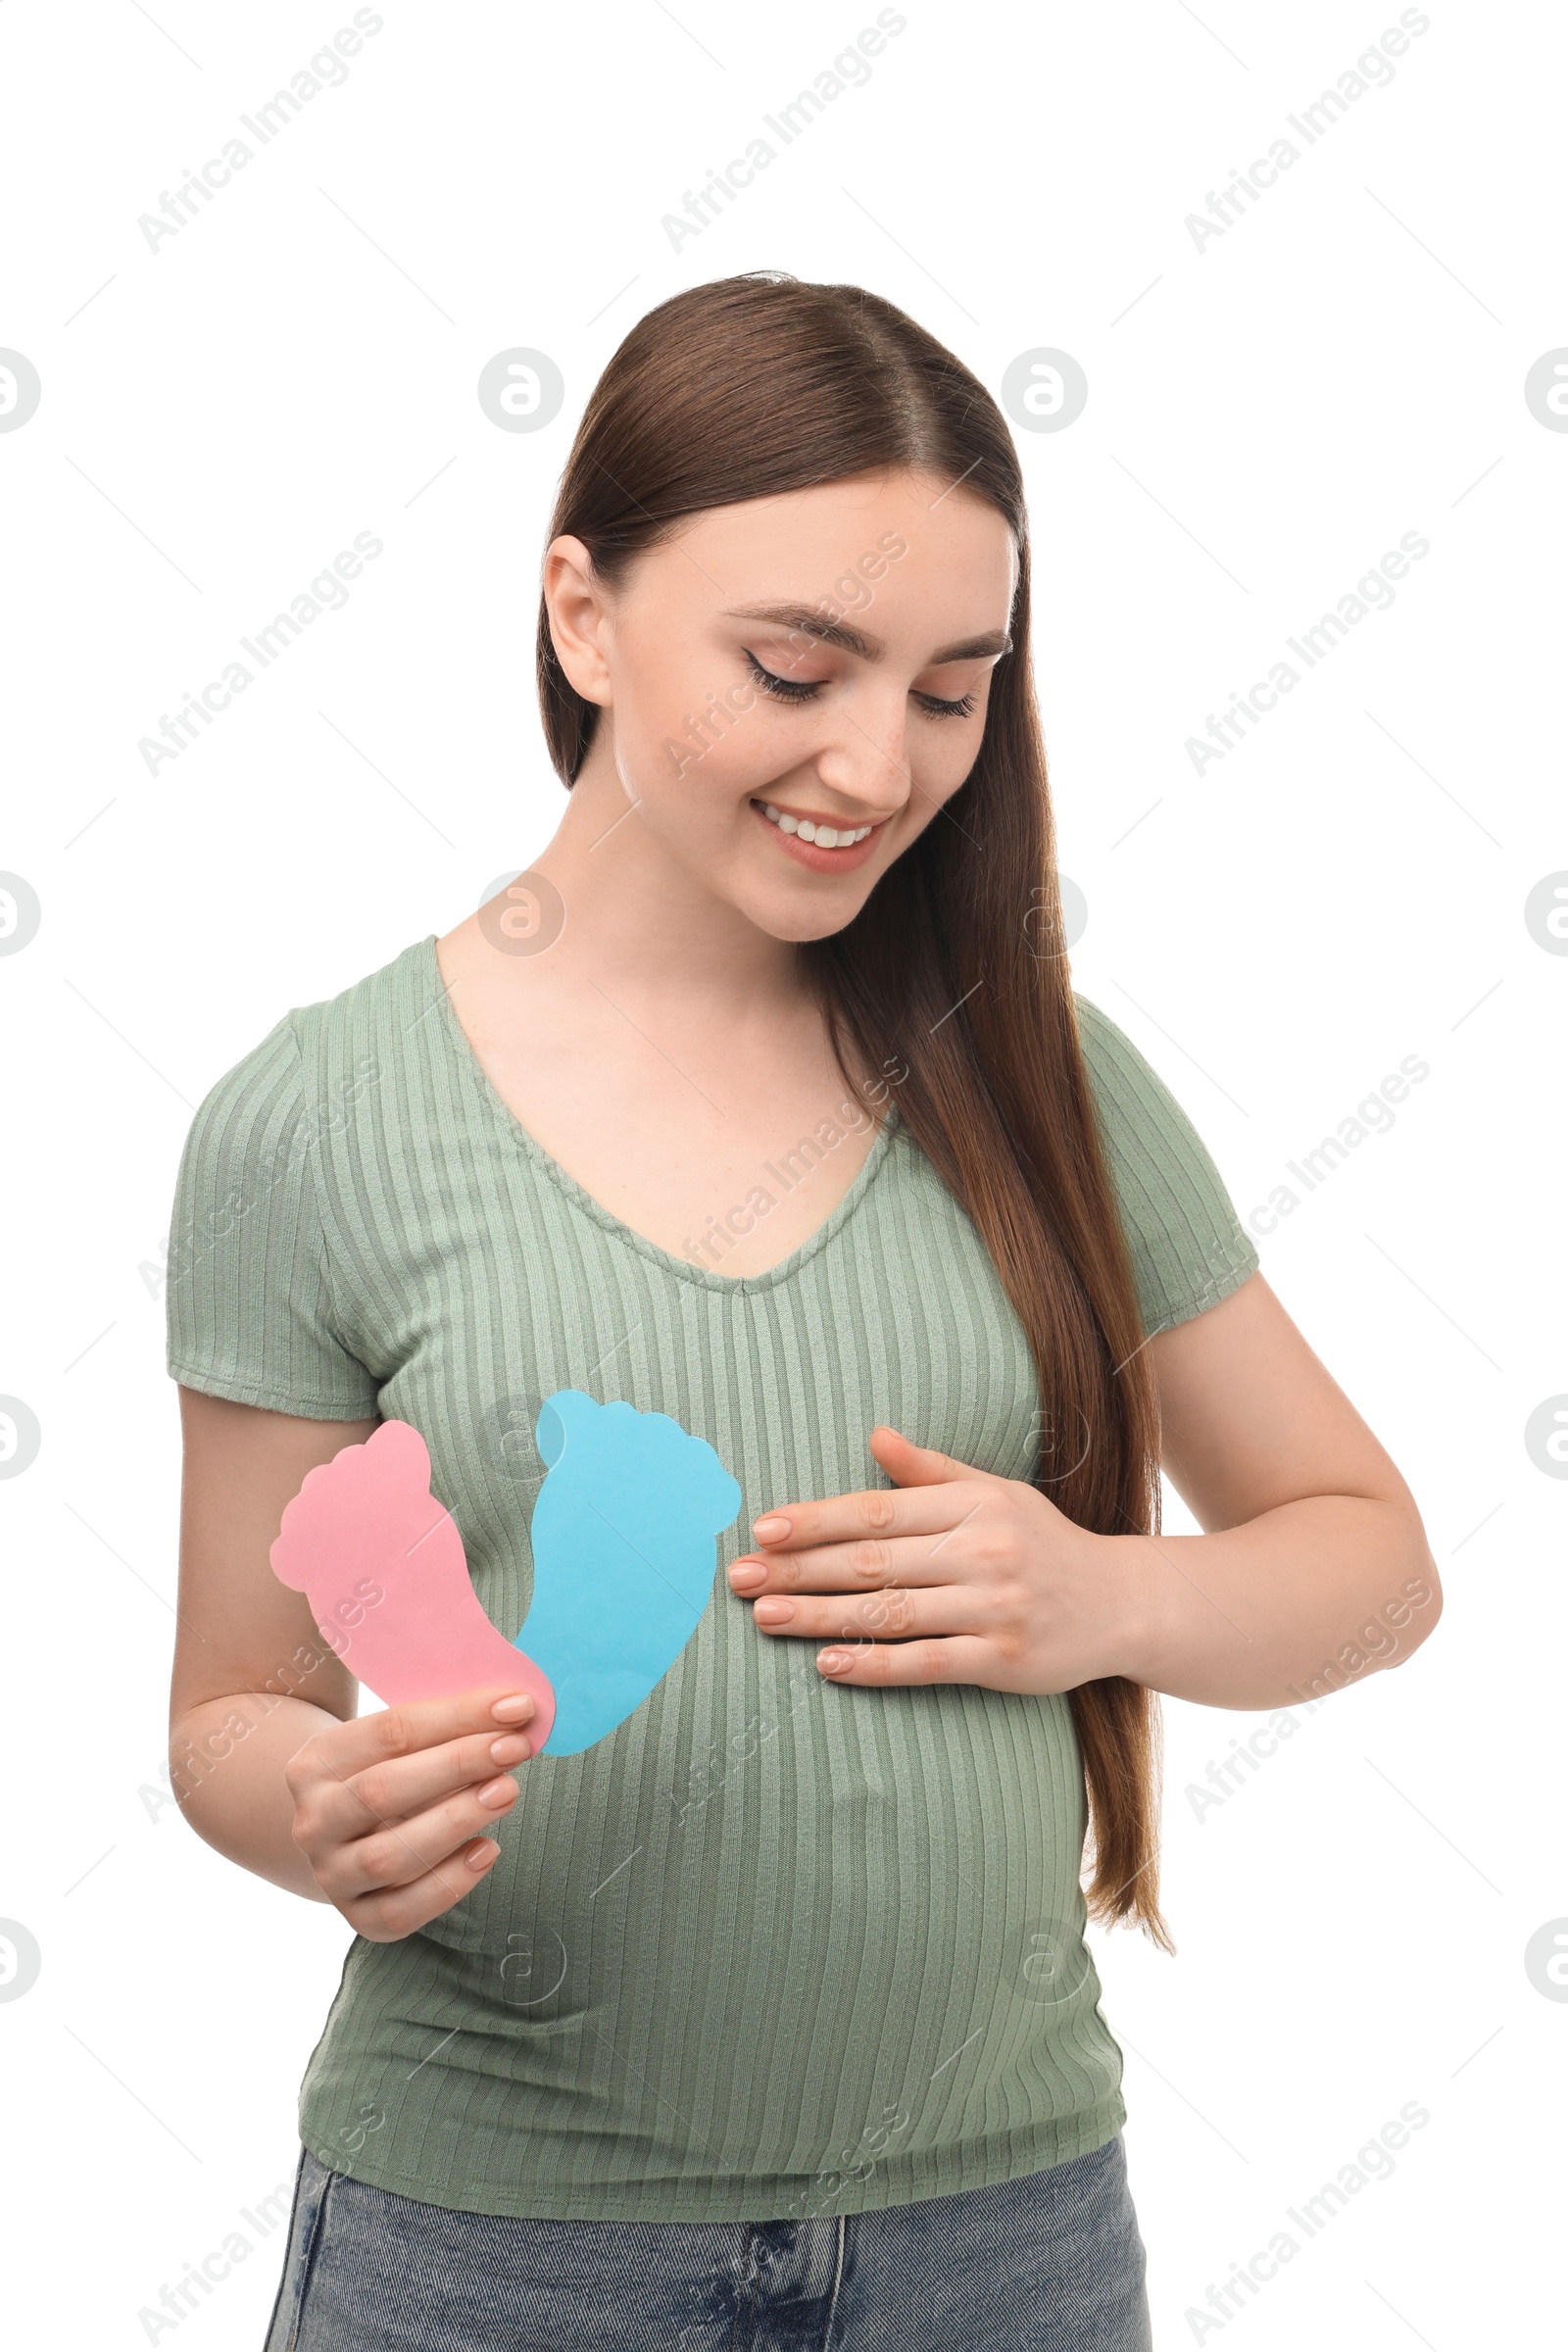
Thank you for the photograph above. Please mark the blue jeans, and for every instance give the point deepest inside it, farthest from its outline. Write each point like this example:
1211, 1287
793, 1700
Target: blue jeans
1051, 2262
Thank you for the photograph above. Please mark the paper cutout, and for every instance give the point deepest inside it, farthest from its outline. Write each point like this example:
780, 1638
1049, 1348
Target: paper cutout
382, 1566
623, 1535
623, 1545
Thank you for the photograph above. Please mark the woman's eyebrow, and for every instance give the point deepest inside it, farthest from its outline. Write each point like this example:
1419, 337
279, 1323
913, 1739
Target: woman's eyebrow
808, 622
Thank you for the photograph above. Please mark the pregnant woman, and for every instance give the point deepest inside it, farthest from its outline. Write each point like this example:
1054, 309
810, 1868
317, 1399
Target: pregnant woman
762, 1110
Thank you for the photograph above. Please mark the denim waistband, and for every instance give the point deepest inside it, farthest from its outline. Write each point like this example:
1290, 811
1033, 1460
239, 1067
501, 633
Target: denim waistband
1049, 2262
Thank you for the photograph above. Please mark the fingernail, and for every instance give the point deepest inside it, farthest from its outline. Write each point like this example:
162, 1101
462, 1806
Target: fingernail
498, 1793
510, 1750
512, 1710
770, 1529
476, 1857
772, 1610
834, 1661
747, 1575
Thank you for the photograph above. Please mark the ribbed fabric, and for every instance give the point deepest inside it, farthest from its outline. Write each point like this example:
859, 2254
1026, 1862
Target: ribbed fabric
773, 1945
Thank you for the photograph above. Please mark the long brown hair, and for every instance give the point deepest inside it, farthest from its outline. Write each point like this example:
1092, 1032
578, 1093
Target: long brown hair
953, 973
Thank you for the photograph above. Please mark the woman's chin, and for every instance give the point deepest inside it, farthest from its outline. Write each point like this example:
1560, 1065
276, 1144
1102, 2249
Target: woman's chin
797, 917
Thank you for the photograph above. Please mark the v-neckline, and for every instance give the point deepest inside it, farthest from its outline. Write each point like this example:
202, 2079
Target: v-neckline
705, 1277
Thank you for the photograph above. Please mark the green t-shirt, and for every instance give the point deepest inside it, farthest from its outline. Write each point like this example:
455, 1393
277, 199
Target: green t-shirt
772, 1946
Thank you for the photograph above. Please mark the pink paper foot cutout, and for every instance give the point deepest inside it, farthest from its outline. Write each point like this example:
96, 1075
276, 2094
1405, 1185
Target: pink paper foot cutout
381, 1563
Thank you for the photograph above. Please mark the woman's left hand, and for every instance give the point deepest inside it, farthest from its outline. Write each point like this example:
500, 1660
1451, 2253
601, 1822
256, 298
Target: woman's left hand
953, 1576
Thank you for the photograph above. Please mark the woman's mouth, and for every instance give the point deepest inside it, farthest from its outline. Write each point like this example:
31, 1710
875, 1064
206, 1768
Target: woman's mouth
817, 841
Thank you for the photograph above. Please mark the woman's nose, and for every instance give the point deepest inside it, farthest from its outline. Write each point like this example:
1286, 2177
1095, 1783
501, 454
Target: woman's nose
866, 756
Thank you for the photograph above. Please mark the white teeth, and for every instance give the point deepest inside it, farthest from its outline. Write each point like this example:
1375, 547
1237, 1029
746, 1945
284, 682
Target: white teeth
826, 837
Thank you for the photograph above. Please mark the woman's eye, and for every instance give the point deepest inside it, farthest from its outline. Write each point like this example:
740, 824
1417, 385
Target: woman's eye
799, 690
787, 690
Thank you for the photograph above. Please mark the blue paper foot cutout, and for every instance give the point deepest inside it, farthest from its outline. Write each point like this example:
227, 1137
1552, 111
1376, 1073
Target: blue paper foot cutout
623, 1535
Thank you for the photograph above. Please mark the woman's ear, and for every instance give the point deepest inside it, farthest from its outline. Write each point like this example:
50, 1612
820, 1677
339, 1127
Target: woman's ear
579, 618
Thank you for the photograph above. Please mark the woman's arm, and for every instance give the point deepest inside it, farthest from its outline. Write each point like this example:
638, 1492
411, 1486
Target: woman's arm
253, 1680
377, 1815
1314, 1568
1314, 1571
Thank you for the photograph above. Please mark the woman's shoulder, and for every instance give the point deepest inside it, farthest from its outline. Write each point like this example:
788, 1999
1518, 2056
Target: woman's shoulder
1189, 1245
282, 1137
341, 1043
1130, 1096
1109, 1052
339, 1076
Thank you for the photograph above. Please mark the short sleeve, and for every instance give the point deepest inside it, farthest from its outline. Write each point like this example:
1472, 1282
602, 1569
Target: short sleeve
1188, 1248
249, 1288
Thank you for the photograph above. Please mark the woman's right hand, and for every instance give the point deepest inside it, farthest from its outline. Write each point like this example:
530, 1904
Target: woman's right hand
391, 1810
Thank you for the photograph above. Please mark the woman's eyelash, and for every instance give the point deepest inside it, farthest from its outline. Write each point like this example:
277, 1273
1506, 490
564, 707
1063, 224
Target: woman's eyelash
797, 690
788, 689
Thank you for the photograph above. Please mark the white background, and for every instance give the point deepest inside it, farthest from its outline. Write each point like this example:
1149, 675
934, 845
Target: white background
1265, 416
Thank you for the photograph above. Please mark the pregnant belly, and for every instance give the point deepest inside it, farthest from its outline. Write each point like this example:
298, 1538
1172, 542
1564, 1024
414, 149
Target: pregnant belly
876, 1912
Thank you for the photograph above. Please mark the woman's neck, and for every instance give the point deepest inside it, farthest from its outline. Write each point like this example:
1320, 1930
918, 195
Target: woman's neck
641, 923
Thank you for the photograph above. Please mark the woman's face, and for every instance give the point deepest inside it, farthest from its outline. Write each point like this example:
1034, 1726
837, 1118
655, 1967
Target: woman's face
788, 668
